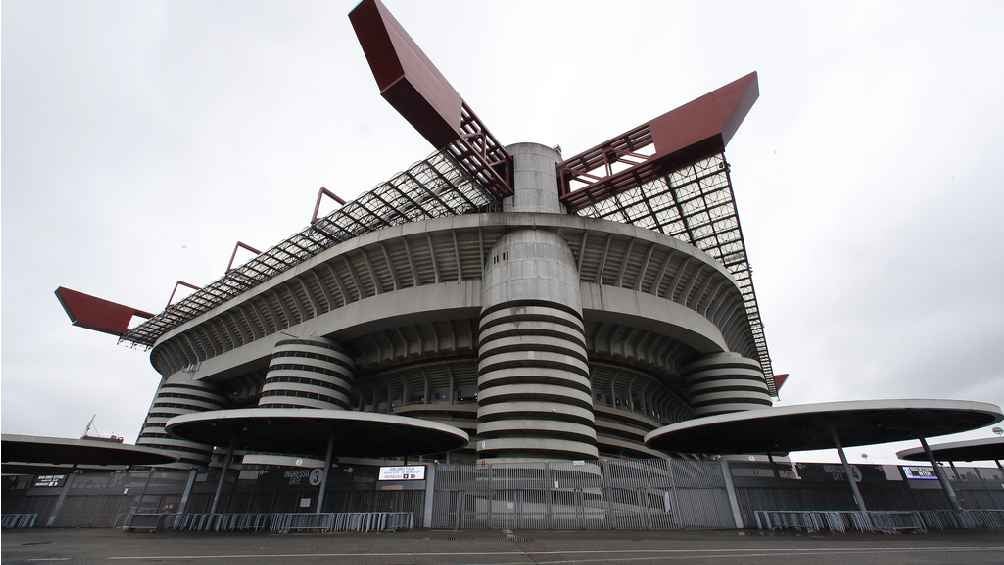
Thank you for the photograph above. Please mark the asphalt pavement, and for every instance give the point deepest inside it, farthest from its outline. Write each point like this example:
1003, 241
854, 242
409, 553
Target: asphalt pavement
500, 548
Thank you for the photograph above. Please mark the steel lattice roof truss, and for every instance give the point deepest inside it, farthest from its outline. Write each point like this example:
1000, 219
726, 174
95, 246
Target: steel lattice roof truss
695, 204
670, 175
432, 188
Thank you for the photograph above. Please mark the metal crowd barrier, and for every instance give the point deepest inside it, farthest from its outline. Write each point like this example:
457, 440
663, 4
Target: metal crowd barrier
273, 522
19, 520
143, 522
838, 521
967, 519
343, 522
894, 521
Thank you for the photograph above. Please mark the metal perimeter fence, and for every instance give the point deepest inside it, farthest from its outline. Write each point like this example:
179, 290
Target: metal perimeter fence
273, 522
889, 522
603, 494
597, 494
967, 519
838, 521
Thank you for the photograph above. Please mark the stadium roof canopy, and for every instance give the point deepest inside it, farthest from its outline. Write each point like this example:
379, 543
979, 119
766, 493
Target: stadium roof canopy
306, 431
16, 448
985, 449
807, 427
431, 188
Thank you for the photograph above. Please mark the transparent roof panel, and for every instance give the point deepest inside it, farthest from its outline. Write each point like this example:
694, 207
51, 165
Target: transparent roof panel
694, 204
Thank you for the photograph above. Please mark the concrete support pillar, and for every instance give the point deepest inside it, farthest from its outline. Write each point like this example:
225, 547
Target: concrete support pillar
955, 471
187, 493
946, 486
858, 499
323, 487
54, 515
223, 476
773, 466
534, 395
730, 489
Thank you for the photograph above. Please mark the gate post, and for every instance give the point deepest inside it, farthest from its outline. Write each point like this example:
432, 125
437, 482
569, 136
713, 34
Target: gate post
549, 493
730, 489
644, 501
578, 507
675, 515
608, 518
430, 494
491, 498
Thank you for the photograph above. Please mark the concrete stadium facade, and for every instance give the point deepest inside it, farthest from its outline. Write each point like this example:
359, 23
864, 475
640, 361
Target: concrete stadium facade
541, 334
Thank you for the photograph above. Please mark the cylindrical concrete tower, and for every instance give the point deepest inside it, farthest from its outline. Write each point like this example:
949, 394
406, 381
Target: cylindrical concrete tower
180, 394
308, 373
534, 396
725, 382
535, 179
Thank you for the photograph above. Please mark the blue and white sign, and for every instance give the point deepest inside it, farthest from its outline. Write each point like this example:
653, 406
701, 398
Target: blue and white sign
410, 473
920, 473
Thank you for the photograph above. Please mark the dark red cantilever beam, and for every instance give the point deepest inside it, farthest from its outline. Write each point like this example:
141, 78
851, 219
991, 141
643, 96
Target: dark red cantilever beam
93, 313
317, 205
697, 129
419, 92
230, 263
405, 76
779, 380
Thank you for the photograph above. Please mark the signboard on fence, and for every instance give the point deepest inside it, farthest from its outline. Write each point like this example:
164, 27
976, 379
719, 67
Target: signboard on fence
410, 473
920, 473
49, 481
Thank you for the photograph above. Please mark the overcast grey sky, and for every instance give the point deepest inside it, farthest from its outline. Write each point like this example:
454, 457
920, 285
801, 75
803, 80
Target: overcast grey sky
142, 138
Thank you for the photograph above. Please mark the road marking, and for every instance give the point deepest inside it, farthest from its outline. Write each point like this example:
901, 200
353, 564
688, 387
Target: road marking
798, 553
724, 552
